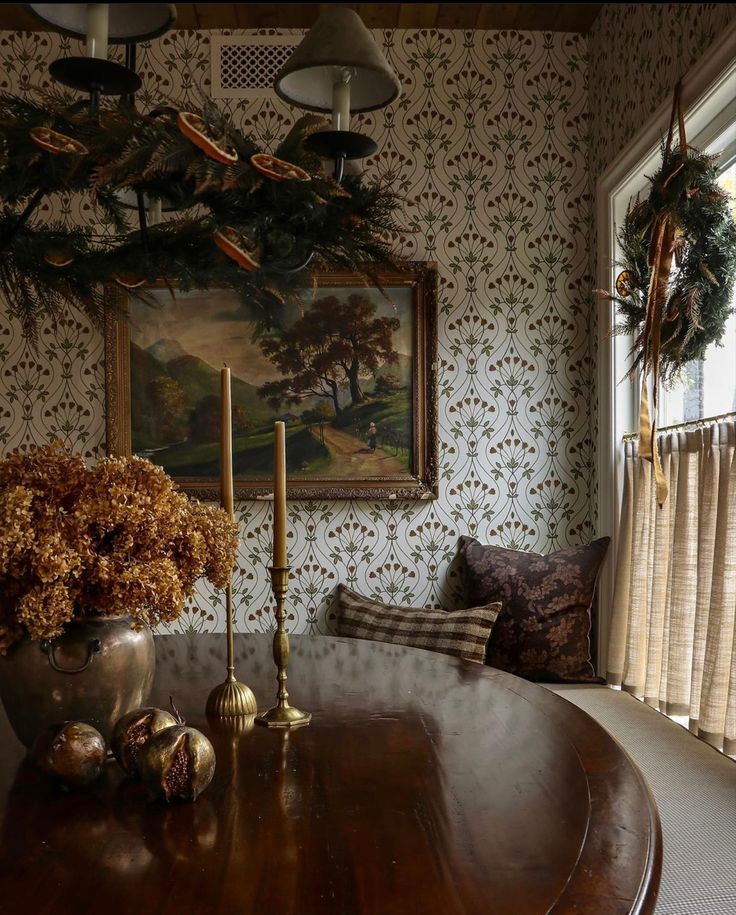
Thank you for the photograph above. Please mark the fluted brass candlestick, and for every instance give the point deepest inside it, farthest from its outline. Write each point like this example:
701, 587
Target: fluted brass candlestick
282, 715
231, 698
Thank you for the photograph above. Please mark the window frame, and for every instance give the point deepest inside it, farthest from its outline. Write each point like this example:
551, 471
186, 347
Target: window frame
709, 103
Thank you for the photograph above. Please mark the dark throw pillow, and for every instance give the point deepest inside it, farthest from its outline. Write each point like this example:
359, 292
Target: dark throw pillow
543, 630
463, 633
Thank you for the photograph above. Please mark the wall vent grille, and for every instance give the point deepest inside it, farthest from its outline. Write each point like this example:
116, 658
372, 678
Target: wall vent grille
245, 66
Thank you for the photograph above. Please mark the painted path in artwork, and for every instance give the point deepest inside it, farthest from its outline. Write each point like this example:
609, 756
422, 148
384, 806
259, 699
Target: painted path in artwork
351, 458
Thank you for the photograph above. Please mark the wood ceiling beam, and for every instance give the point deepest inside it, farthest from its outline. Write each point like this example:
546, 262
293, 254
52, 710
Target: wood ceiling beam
418, 15
458, 15
186, 17
567, 17
497, 15
297, 15
379, 15
536, 16
576, 17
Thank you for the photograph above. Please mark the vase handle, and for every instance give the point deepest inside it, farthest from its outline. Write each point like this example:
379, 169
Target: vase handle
47, 647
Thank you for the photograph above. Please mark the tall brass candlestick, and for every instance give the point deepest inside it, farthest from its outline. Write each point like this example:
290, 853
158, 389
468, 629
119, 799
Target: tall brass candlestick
280, 555
282, 715
229, 698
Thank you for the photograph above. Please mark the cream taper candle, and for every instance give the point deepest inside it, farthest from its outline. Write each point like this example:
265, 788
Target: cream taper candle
280, 556
155, 208
97, 29
226, 444
341, 103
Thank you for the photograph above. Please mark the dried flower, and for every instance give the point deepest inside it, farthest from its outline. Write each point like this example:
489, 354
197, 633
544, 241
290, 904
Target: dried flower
117, 538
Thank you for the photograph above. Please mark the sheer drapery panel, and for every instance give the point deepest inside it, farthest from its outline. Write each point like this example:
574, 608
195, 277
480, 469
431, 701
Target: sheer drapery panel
673, 624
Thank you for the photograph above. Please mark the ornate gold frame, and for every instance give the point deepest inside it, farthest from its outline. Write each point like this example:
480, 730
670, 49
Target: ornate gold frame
422, 483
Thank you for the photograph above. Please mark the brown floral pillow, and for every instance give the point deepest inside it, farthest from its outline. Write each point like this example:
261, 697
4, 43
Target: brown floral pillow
543, 630
463, 633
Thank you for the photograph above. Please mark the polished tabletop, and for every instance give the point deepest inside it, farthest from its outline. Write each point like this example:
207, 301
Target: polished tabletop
423, 785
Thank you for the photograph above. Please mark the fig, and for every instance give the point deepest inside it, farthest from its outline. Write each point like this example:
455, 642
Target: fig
72, 753
134, 730
177, 762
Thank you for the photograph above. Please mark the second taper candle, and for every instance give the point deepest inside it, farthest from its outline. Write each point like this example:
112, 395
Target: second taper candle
280, 556
227, 498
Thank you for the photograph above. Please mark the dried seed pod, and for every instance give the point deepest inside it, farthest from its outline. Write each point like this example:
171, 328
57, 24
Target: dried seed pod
133, 731
178, 762
72, 753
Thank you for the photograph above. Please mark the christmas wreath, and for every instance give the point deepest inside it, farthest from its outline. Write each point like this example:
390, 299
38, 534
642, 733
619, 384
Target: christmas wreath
679, 258
700, 240
244, 219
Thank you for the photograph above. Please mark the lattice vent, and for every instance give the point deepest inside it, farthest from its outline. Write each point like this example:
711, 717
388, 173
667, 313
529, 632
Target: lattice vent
245, 66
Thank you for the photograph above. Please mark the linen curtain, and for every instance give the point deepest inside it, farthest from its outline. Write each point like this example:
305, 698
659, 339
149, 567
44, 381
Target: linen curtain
673, 628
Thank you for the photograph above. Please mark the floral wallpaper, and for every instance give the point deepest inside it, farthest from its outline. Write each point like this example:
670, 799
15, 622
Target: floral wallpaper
637, 54
488, 145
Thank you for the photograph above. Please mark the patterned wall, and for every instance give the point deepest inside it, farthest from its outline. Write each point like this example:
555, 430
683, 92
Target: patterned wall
488, 146
637, 53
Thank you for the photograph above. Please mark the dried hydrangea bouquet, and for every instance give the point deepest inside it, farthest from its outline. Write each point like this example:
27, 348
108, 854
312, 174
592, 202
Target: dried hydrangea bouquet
82, 547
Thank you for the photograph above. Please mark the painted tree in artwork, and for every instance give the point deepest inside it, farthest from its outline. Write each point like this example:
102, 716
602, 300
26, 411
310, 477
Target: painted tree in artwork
308, 367
167, 399
320, 415
204, 420
329, 349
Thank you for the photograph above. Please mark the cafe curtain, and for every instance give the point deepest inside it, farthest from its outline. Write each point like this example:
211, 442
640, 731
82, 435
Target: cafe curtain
673, 628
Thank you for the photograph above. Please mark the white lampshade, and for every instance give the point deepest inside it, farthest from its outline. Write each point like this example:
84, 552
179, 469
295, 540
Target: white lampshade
128, 22
338, 41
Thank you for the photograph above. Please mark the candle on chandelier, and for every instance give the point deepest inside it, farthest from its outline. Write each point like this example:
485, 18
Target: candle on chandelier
341, 102
98, 24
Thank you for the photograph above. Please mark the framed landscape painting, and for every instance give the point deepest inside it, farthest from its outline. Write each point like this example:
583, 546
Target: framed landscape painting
352, 373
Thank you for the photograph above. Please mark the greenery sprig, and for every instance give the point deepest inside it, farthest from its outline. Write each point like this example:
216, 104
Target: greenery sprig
292, 226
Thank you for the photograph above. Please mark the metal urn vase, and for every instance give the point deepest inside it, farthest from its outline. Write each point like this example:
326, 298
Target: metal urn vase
99, 669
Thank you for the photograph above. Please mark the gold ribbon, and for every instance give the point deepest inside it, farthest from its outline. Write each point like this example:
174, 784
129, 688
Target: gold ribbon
660, 261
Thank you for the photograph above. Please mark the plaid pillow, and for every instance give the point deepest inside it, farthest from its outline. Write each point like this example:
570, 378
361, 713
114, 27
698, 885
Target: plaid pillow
463, 633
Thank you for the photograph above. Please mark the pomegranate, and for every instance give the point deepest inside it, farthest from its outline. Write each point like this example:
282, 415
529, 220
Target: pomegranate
177, 762
133, 731
72, 753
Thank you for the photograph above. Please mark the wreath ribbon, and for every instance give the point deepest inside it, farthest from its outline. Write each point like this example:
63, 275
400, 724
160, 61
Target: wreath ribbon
661, 254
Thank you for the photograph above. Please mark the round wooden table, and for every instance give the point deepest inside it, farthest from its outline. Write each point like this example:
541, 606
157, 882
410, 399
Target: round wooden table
423, 785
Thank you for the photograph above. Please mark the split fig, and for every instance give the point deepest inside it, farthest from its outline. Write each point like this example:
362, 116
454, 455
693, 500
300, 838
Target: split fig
177, 762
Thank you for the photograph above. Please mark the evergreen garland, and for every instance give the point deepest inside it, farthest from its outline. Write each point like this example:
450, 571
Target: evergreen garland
44, 267
697, 301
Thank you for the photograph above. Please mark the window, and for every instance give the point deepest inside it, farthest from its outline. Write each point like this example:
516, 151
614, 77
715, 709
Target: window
670, 623
709, 101
707, 388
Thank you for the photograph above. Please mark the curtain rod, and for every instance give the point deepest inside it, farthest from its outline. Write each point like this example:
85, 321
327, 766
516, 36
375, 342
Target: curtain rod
689, 424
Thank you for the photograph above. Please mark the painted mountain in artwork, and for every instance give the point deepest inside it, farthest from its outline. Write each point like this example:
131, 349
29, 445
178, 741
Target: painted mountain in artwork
171, 390
165, 350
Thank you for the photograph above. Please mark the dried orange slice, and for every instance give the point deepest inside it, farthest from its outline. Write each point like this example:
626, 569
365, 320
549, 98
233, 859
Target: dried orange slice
57, 143
129, 280
58, 258
195, 129
625, 283
278, 169
236, 247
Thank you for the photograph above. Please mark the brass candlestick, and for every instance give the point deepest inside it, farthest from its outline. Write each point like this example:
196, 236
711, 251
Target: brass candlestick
282, 715
230, 698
